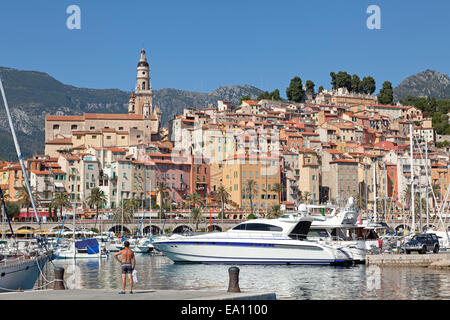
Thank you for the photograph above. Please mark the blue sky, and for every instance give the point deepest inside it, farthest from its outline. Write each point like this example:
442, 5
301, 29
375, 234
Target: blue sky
201, 45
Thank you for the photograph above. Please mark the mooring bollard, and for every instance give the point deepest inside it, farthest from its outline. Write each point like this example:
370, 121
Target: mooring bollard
59, 279
233, 285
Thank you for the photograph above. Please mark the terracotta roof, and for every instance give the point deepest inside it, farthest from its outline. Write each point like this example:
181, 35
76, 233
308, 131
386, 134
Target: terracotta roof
40, 172
251, 102
59, 141
344, 161
63, 118
91, 116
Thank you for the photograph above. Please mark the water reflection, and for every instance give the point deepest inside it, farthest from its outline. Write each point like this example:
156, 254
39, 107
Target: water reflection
288, 282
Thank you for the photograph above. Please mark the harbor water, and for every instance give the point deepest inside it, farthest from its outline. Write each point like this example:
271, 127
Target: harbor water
288, 282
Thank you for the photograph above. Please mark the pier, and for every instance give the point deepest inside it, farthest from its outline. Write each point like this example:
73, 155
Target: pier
438, 261
108, 294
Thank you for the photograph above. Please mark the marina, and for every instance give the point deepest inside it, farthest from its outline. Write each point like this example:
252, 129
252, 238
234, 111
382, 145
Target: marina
304, 282
242, 194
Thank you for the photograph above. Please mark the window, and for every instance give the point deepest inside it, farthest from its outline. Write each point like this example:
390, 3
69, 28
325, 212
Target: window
74, 127
90, 167
56, 127
258, 227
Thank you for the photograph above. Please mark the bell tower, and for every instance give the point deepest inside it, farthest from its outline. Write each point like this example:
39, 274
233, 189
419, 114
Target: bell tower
143, 92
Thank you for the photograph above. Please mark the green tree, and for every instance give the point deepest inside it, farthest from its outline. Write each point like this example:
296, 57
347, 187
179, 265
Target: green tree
368, 85
129, 207
295, 90
59, 201
333, 80
310, 87
194, 200
161, 190
386, 95
278, 188
305, 197
97, 199
25, 199
244, 98
196, 217
250, 191
223, 196
275, 95
274, 212
356, 84
344, 80
320, 89
263, 95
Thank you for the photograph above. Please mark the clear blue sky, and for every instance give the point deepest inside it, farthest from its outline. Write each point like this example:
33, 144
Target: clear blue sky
201, 45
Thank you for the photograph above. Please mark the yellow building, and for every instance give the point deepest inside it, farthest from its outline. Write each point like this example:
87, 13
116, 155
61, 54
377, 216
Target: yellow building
264, 171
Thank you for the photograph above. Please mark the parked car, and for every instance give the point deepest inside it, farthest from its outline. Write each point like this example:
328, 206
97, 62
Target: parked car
423, 243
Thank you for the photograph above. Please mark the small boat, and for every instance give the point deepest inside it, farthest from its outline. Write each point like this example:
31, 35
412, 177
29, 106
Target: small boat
145, 246
87, 248
260, 241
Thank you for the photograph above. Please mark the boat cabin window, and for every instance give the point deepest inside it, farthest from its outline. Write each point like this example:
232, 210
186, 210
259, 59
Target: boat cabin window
318, 233
257, 227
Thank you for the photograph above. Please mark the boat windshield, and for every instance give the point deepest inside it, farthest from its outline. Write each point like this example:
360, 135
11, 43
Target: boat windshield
318, 233
257, 227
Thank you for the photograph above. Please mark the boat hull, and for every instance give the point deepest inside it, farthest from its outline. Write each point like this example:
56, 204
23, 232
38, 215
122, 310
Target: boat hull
261, 252
21, 275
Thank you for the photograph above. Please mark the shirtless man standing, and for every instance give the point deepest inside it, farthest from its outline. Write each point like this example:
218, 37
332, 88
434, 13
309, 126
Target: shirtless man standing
128, 263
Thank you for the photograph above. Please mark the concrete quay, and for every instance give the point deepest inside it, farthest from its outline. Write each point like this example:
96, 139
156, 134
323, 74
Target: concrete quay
108, 294
430, 260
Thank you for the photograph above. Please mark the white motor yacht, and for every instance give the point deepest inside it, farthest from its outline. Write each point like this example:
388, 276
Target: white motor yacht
260, 241
340, 227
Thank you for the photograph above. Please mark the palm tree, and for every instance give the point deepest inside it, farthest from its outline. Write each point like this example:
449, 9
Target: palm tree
250, 190
274, 212
278, 188
161, 190
97, 199
305, 196
25, 199
196, 217
360, 201
194, 199
129, 206
223, 196
59, 201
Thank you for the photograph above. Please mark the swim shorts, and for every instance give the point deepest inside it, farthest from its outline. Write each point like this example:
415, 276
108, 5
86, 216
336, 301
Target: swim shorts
127, 268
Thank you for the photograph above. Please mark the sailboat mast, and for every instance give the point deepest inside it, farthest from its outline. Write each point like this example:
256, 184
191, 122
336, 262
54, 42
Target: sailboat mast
426, 186
19, 154
413, 224
374, 191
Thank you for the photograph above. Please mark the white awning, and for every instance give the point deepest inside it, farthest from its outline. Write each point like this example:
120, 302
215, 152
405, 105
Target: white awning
59, 185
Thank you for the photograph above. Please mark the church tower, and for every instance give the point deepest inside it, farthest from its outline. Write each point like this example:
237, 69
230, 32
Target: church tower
141, 101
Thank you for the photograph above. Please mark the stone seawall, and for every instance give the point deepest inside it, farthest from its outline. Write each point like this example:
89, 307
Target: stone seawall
438, 261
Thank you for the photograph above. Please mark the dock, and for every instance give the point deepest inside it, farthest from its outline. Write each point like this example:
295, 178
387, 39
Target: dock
108, 294
430, 260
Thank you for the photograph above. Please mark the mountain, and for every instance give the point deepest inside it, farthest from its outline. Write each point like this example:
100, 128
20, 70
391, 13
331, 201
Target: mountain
32, 95
428, 83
